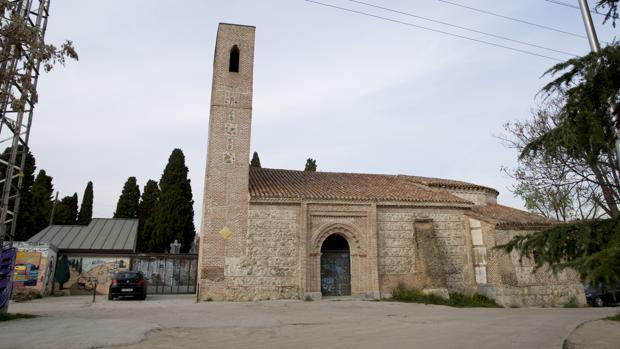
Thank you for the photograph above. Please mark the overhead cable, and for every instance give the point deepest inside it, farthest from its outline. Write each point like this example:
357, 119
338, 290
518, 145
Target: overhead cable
435, 30
513, 19
565, 4
464, 28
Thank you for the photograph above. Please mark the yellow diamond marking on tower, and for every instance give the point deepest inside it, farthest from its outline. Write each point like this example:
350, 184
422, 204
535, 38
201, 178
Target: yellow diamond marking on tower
225, 233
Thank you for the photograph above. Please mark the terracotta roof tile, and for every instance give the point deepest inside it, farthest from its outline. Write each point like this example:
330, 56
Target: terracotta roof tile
449, 183
289, 184
506, 217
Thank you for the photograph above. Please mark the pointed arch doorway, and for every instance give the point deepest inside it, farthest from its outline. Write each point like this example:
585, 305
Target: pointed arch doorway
335, 266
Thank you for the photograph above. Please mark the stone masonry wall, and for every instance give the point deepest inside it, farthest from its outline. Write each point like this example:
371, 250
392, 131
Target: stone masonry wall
478, 197
399, 244
270, 270
512, 282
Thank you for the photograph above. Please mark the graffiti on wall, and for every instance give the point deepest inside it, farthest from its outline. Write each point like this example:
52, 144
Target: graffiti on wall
7, 257
27, 268
88, 268
32, 270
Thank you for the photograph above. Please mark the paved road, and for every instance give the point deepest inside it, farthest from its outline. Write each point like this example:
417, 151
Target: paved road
178, 322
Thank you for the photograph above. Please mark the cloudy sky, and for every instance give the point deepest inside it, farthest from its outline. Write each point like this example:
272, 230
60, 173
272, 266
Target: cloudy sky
357, 93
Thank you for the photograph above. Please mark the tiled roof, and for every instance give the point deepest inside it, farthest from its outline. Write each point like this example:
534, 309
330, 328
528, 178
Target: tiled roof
449, 183
506, 217
289, 184
102, 234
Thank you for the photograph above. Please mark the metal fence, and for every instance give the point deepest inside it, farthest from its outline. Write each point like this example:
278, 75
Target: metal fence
167, 273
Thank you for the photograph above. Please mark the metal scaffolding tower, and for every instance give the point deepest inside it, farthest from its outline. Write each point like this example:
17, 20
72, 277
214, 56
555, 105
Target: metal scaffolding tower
20, 72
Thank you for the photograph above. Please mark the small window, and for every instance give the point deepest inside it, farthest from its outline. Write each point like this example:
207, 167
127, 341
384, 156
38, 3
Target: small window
234, 60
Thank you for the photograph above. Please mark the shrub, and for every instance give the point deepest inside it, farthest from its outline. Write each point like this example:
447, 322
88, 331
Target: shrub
572, 303
26, 296
412, 295
7, 316
614, 318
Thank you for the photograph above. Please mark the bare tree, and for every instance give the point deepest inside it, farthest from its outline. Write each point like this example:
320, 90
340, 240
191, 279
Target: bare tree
20, 40
554, 184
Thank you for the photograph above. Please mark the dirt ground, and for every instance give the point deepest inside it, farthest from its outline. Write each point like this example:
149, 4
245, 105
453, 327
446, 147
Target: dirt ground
178, 322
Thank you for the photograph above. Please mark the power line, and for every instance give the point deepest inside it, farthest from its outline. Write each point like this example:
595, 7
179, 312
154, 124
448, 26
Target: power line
513, 19
464, 28
435, 30
565, 4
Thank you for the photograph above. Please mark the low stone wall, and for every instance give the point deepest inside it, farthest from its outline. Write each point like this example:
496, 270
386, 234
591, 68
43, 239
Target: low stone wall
535, 296
515, 282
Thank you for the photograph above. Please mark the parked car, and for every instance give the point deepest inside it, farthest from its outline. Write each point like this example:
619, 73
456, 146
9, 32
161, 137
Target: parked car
602, 295
128, 284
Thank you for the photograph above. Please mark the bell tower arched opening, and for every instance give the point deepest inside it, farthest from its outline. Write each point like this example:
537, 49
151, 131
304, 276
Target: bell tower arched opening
233, 65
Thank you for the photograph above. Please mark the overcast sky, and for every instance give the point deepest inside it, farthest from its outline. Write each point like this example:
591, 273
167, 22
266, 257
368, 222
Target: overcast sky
358, 94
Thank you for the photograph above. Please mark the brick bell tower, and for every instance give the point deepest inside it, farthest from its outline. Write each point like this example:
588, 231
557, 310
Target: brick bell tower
226, 199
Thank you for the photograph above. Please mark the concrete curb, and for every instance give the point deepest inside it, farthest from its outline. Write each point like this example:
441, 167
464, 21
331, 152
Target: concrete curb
594, 334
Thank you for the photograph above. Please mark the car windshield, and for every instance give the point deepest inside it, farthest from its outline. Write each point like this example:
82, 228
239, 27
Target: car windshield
126, 275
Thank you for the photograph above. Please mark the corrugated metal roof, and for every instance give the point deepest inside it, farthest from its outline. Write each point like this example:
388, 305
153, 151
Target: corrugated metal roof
102, 234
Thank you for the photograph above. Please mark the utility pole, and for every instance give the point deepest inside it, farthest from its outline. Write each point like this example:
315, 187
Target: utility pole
595, 46
53, 209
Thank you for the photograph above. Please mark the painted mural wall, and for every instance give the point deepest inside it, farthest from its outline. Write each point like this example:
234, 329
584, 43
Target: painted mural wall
34, 268
7, 258
84, 270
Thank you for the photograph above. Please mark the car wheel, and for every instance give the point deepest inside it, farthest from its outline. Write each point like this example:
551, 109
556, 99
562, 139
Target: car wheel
110, 297
599, 302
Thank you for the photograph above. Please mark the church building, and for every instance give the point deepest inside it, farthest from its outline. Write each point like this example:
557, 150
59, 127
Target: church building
284, 234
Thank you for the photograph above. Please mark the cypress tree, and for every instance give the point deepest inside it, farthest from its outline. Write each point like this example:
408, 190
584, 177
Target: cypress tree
86, 208
255, 160
128, 202
41, 207
148, 202
66, 211
310, 165
174, 213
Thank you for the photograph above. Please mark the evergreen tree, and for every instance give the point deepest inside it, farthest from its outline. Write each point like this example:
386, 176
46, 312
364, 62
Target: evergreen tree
66, 211
128, 202
41, 207
255, 160
24, 218
590, 87
174, 213
148, 202
86, 208
310, 165
591, 247
611, 6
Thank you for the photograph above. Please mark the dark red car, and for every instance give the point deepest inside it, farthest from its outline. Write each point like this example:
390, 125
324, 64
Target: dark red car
128, 284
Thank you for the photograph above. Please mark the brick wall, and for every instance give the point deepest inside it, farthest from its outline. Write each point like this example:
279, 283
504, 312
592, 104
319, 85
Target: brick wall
225, 207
